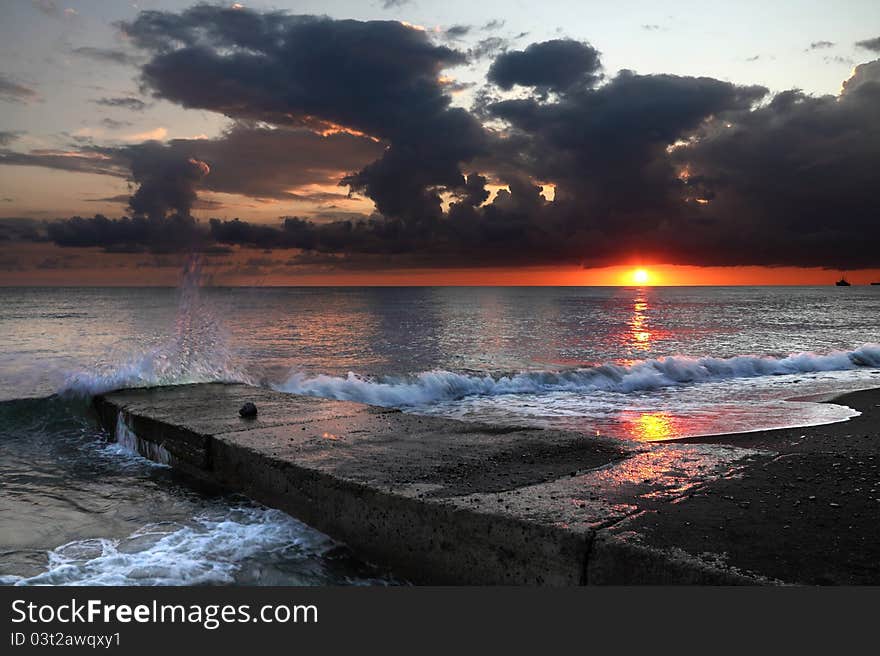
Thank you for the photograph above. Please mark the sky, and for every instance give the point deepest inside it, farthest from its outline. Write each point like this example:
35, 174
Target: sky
415, 142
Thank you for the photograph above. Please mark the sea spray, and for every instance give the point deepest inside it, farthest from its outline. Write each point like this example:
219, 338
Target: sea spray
197, 351
438, 386
210, 549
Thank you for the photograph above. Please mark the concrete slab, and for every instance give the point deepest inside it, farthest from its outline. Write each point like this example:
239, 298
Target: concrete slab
444, 501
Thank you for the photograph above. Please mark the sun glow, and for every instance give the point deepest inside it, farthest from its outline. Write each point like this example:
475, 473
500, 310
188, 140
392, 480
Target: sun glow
641, 277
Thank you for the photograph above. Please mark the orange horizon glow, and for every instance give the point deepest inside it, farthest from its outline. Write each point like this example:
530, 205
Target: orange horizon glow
91, 267
659, 276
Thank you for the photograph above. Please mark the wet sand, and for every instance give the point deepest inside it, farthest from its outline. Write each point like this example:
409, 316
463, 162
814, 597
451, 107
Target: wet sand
808, 513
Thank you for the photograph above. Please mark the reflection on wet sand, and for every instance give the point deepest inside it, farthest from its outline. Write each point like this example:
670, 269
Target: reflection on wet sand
655, 426
651, 426
665, 473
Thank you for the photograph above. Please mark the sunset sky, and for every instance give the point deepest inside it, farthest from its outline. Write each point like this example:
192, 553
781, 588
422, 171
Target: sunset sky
415, 142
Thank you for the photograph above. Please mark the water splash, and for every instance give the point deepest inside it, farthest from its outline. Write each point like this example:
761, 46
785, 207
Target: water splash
197, 352
213, 548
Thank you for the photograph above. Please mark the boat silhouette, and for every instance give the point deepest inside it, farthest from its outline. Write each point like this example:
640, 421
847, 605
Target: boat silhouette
843, 282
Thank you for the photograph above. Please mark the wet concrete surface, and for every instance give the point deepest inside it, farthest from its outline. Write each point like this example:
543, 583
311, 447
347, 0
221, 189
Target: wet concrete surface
444, 501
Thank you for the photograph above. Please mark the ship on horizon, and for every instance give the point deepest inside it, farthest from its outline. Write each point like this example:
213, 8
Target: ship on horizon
843, 282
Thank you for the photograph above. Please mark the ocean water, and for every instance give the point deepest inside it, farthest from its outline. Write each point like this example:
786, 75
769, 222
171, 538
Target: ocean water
632, 363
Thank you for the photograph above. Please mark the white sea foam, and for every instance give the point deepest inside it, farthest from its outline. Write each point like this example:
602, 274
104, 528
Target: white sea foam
197, 352
439, 385
211, 549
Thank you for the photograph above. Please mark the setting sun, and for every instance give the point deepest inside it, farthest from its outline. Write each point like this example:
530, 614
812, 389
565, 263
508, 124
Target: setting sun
640, 276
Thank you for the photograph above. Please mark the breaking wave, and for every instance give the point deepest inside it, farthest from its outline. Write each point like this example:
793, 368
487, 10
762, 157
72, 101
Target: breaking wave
197, 352
211, 549
437, 386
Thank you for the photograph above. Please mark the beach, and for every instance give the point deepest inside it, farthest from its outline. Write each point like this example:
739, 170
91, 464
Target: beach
620, 375
805, 514
443, 501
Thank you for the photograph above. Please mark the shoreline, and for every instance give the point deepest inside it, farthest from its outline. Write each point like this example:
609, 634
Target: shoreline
807, 512
444, 501
831, 397
865, 401
796, 505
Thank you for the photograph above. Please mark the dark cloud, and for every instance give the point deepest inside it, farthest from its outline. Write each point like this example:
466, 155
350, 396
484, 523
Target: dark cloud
364, 236
605, 148
494, 24
794, 181
123, 102
870, 44
250, 160
669, 168
554, 65
457, 31
113, 124
820, 45
380, 78
23, 229
673, 168
267, 163
395, 4
12, 91
199, 204
650, 27
488, 47
837, 59
867, 75
167, 182
110, 55
272, 163
119, 198
128, 235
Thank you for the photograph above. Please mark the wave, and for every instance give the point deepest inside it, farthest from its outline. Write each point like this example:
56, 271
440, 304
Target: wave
211, 549
437, 386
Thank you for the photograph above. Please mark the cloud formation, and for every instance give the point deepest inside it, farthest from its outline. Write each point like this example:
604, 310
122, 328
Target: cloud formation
665, 167
13, 91
111, 55
259, 162
379, 78
123, 102
128, 235
870, 44
555, 65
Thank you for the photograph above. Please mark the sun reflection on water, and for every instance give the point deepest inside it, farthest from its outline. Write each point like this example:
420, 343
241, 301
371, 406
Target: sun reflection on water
639, 330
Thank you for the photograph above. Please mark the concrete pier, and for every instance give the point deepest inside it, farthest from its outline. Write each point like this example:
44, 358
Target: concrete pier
448, 502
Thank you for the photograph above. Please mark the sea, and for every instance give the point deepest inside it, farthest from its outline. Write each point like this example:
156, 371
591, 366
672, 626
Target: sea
631, 363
